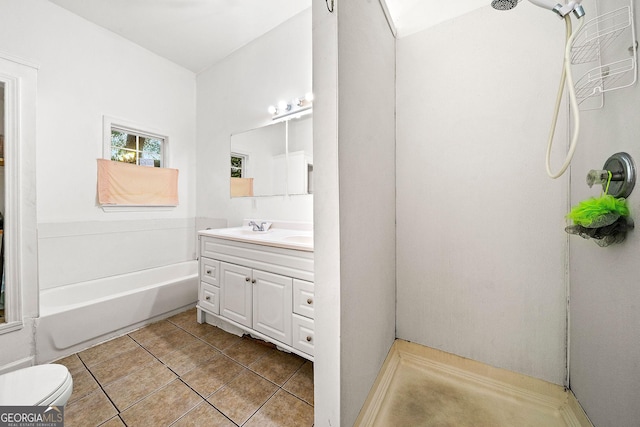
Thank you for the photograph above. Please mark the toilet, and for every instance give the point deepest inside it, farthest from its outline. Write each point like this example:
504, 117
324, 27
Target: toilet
42, 385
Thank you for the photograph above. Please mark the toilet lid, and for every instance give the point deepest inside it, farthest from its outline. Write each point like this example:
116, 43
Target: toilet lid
32, 386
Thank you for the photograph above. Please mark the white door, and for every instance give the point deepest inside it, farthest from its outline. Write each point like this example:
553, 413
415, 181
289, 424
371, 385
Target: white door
273, 299
235, 293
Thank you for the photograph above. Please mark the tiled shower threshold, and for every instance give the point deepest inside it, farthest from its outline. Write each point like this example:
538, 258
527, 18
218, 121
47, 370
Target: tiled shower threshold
421, 386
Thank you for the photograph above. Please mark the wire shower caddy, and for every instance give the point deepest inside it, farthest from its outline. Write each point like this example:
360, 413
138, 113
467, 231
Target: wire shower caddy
603, 41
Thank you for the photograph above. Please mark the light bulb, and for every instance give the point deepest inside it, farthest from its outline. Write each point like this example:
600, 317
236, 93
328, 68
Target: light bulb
272, 109
308, 96
283, 106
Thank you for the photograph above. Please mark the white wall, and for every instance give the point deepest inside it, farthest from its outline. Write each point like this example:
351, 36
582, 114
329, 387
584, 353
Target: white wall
85, 73
80, 251
327, 259
480, 242
367, 172
233, 96
354, 145
605, 296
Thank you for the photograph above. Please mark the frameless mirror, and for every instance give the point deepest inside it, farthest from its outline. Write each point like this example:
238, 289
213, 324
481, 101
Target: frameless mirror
273, 160
256, 157
300, 155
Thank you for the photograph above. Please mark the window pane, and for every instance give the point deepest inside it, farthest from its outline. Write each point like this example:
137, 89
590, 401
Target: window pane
236, 166
131, 142
151, 146
118, 139
124, 155
236, 162
136, 148
151, 152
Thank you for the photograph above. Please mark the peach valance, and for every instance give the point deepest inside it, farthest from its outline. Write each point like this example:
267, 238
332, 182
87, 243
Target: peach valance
132, 185
241, 187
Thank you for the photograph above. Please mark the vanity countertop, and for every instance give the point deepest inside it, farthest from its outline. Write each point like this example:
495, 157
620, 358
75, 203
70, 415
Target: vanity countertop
299, 238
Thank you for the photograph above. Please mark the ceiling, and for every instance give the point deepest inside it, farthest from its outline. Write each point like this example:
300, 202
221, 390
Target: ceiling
410, 16
192, 33
198, 33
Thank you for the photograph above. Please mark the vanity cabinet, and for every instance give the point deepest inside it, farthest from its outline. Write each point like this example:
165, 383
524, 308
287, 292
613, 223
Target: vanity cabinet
257, 299
264, 290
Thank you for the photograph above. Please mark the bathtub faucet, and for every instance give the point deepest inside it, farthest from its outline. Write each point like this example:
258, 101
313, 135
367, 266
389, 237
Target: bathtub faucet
257, 227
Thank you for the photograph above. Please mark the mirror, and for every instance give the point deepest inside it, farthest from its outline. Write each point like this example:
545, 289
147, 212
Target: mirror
255, 154
300, 155
273, 160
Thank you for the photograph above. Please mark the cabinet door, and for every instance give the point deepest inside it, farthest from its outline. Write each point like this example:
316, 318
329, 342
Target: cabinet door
272, 295
235, 293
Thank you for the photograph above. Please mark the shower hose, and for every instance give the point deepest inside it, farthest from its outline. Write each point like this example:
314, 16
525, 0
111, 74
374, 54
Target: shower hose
568, 78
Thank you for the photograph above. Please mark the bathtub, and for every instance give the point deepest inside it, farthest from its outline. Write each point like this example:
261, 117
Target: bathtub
74, 317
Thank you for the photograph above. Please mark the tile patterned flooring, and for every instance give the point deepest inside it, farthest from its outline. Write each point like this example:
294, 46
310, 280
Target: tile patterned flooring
179, 373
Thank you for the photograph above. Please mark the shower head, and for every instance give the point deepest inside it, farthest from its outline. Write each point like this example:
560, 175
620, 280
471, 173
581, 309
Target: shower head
559, 8
504, 4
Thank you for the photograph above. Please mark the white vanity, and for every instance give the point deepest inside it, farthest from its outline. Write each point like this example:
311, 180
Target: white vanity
260, 282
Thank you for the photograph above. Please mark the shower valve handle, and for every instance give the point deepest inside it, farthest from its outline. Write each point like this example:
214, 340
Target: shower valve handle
602, 176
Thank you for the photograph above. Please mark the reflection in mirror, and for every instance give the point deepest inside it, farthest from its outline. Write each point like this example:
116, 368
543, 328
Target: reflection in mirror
300, 155
255, 158
273, 160
2, 133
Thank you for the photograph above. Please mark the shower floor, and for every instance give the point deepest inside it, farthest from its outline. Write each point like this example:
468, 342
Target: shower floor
421, 386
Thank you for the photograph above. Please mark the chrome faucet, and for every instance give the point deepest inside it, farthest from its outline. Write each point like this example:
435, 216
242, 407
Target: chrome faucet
257, 227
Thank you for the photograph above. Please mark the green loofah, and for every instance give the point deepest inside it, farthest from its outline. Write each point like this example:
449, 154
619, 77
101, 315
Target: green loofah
594, 210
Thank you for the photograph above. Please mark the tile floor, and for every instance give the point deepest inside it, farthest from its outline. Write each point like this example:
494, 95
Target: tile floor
179, 373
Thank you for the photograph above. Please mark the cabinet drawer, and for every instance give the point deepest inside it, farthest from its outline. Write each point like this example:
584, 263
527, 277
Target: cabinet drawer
209, 298
303, 339
210, 271
303, 298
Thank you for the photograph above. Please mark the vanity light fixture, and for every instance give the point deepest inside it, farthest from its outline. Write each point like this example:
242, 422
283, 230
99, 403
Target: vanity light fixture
295, 106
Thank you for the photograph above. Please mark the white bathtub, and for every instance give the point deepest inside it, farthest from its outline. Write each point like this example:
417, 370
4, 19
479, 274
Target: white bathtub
74, 317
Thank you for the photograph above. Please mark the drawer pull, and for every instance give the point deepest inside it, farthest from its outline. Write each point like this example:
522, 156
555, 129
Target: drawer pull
208, 298
309, 301
208, 271
309, 338
246, 279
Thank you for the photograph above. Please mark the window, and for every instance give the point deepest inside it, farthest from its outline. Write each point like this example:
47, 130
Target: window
238, 163
131, 143
132, 147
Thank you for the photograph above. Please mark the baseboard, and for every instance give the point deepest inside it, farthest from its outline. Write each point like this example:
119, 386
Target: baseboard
18, 364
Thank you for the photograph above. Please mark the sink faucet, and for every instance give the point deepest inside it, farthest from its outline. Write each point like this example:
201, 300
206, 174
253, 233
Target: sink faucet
257, 227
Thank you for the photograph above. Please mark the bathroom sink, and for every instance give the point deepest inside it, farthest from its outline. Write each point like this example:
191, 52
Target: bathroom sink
251, 232
289, 238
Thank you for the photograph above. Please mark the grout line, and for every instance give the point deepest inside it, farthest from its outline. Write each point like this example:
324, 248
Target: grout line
205, 401
101, 388
260, 407
179, 377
